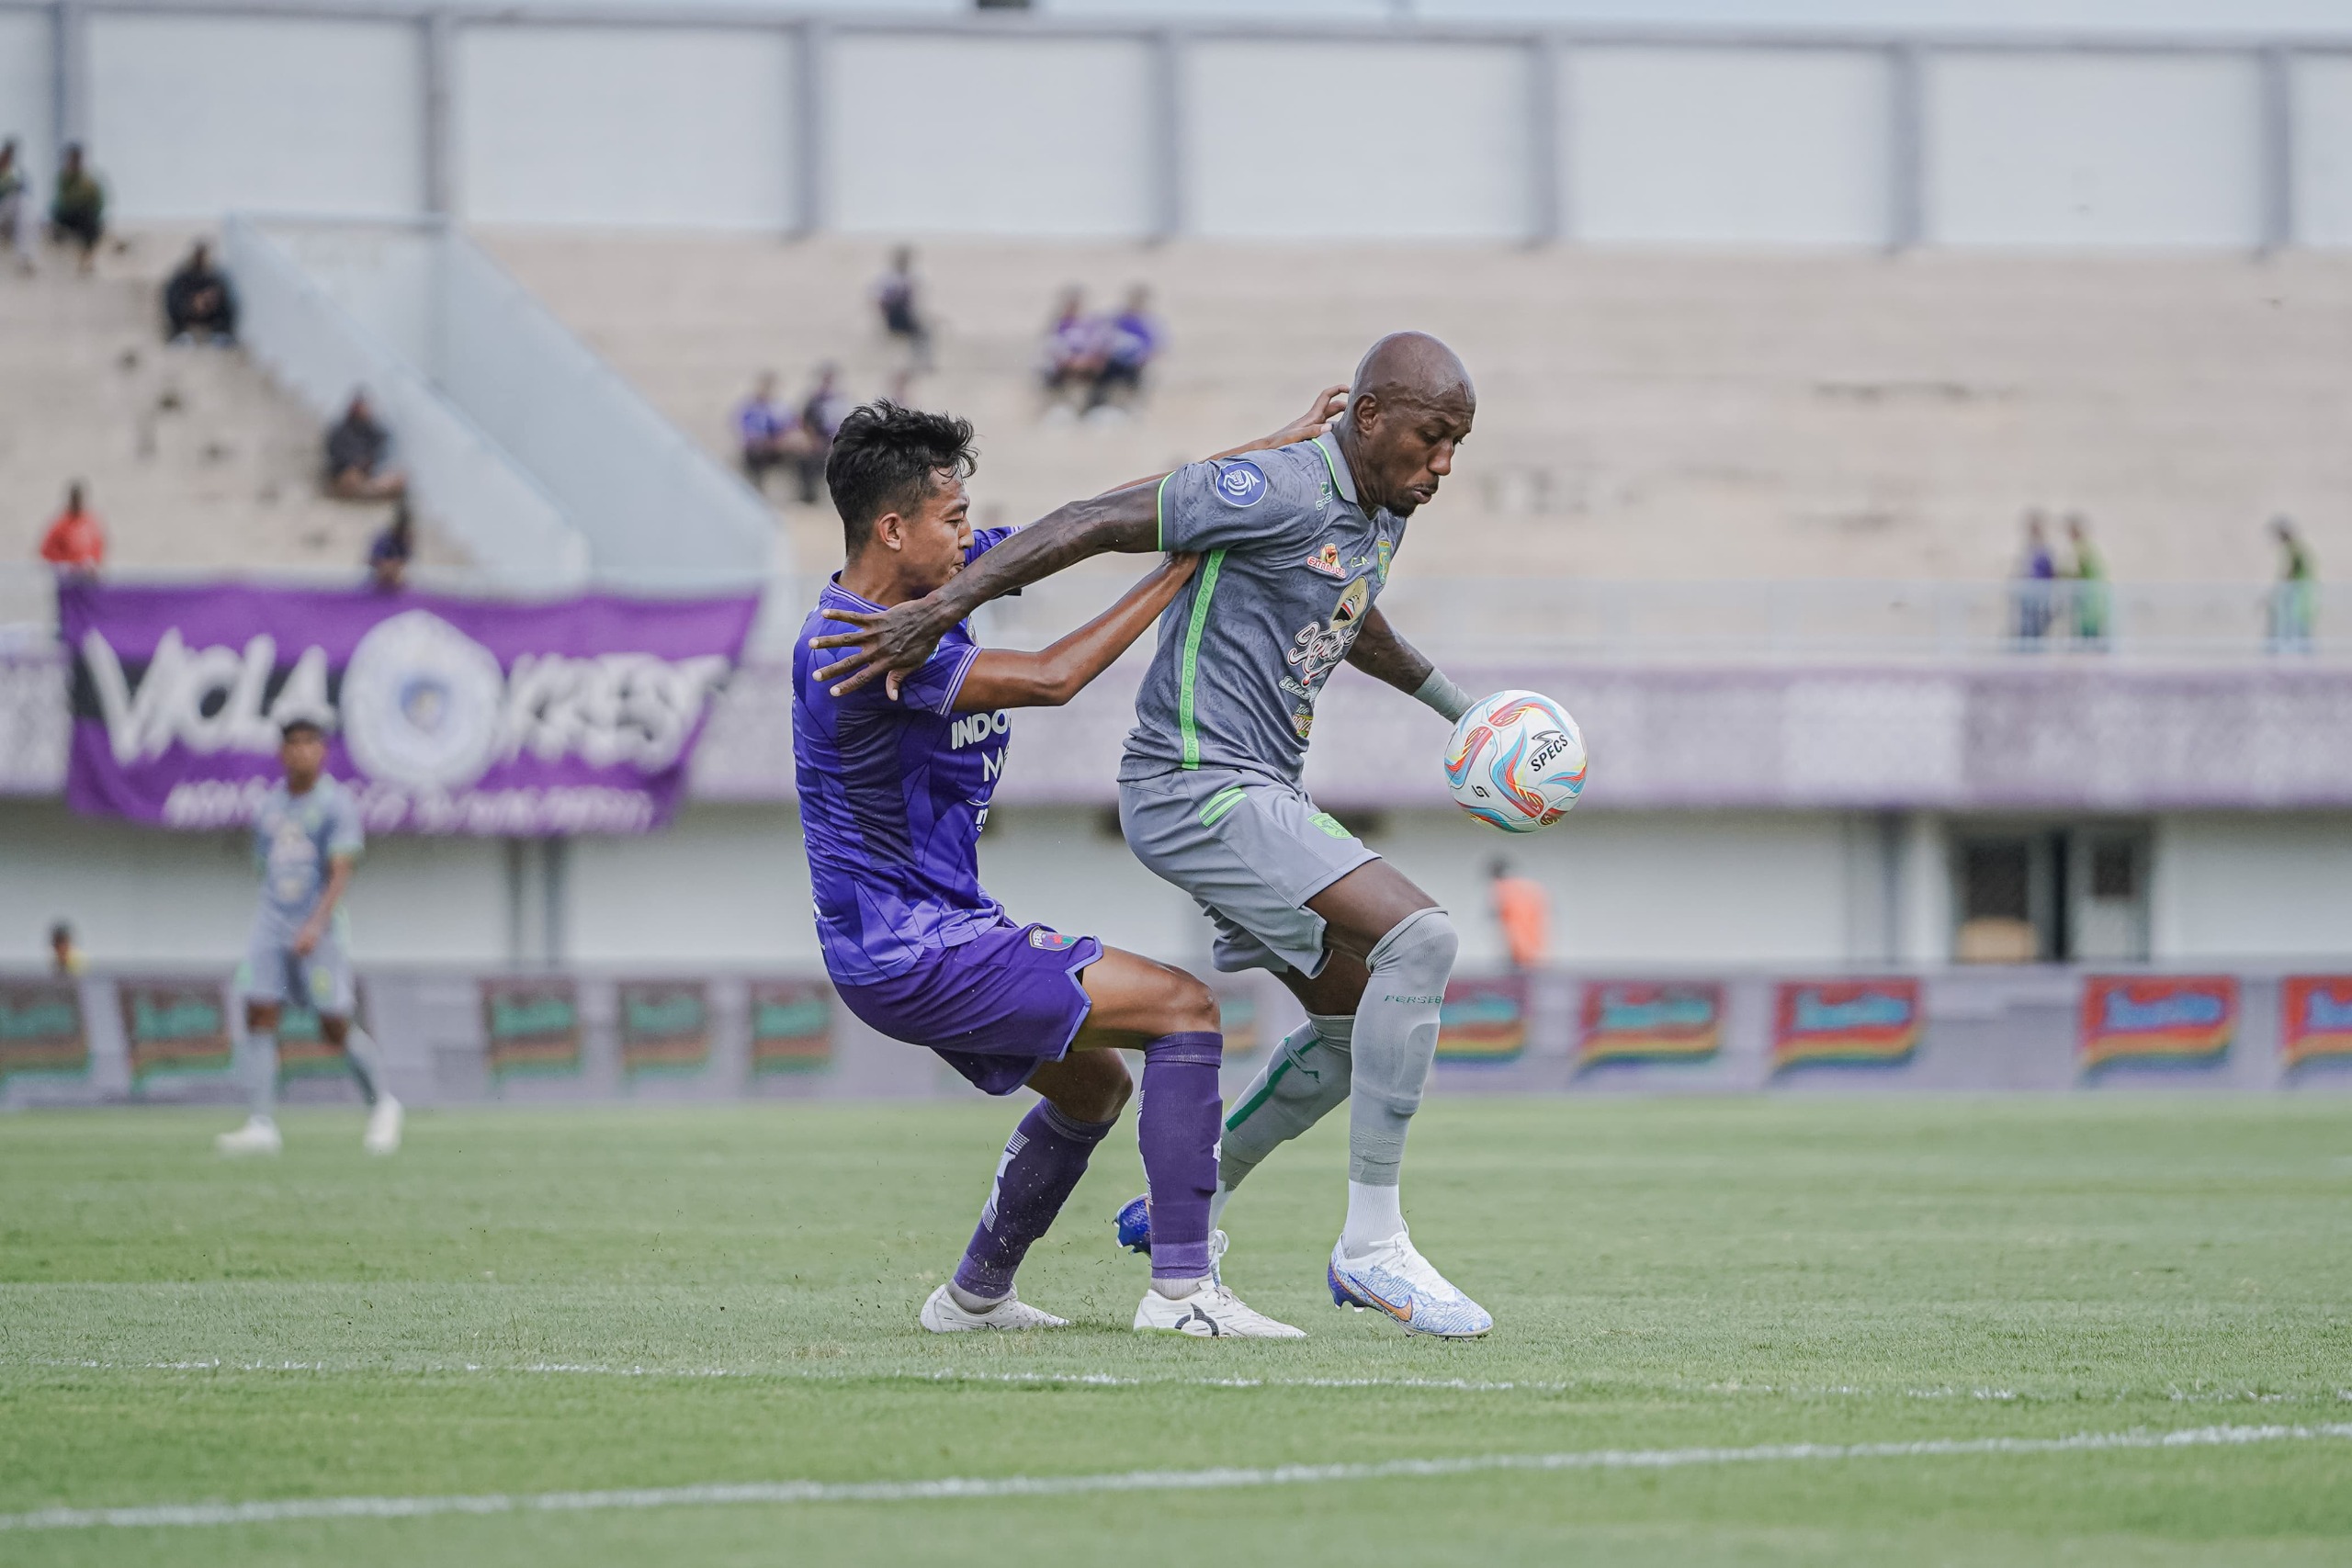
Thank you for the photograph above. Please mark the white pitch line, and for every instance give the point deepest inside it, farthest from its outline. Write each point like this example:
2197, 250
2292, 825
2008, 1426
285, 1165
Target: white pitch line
959, 1488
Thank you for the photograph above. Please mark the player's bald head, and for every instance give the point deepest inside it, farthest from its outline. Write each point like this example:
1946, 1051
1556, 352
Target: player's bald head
1413, 369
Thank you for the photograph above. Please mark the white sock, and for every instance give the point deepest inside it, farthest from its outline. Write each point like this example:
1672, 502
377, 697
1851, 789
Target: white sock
1374, 1215
1177, 1290
1217, 1201
972, 1304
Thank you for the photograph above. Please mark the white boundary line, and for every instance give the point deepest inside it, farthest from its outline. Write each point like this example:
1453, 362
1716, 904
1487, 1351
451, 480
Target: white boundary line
190, 1515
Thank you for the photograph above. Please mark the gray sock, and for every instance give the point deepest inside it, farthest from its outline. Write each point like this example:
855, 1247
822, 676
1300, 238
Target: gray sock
261, 1071
1305, 1077
359, 1056
1396, 1041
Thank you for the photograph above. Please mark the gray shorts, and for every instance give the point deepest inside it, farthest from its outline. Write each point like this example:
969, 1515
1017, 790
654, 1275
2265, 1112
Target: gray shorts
1252, 850
272, 971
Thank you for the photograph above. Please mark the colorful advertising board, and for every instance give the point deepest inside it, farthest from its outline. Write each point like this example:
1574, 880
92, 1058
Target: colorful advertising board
792, 1026
664, 1027
41, 1033
531, 1026
1483, 1021
2167, 1021
445, 714
175, 1028
1634, 1020
1845, 1023
2315, 1020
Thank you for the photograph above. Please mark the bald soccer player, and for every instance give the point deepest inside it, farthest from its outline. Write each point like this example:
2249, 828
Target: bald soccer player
1295, 545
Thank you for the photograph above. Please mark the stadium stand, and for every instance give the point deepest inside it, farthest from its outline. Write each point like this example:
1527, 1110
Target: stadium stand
193, 457
1654, 416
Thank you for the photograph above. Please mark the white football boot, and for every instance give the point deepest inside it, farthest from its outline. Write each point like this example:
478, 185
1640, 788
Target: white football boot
1395, 1278
1213, 1311
257, 1136
383, 1134
944, 1314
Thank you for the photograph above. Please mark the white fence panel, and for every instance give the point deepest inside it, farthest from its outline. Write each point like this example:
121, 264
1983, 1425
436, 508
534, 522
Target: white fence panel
685, 127
1369, 140
986, 136
2108, 150
1721, 146
194, 115
2323, 100
27, 111
459, 477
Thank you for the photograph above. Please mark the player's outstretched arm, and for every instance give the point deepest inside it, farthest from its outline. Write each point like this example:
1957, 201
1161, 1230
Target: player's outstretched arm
1127, 520
1382, 653
1001, 679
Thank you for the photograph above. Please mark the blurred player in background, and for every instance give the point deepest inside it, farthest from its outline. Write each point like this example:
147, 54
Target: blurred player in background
1295, 546
1523, 913
306, 842
895, 780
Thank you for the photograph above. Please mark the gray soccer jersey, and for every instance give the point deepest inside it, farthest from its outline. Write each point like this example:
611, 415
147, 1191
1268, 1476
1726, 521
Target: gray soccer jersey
1290, 566
294, 838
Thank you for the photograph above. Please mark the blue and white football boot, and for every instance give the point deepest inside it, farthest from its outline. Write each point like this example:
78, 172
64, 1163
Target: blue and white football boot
1394, 1278
1135, 1235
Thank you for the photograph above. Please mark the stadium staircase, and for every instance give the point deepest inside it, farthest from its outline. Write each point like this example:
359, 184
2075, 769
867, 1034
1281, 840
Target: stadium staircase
193, 459
1655, 417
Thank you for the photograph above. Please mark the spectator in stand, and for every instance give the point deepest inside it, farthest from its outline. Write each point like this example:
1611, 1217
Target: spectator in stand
198, 304
76, 541
356, 448
390, 551
1130, 342
1523, 911
64, 957
2294, 603
767, 434
2089, 572
1073, 353
77, 210
2036, 580
821, 420
16, 206
896, 296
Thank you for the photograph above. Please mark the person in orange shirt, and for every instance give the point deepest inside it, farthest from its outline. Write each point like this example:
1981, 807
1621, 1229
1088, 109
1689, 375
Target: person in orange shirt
1524, 912
75, 541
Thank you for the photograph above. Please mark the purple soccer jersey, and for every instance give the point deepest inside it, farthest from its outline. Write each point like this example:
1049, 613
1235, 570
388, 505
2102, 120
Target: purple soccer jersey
892, 798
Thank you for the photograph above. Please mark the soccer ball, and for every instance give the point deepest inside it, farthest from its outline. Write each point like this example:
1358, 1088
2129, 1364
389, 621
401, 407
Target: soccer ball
1516, 761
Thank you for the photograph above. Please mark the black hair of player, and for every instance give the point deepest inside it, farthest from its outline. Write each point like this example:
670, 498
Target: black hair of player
294, 726
886, 458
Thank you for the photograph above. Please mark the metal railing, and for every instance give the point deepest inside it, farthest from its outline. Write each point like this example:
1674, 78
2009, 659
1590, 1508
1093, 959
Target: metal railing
318, 350
1508, 619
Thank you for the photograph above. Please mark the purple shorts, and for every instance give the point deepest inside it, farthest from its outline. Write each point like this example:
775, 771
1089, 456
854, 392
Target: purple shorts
993, 1008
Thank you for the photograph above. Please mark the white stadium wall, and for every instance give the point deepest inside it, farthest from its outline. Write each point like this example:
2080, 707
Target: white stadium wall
627, 127
1110, 129
2234, 885
192, 116
1740, 147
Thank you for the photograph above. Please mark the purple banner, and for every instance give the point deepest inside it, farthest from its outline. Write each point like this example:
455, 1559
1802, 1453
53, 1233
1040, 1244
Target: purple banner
446, 715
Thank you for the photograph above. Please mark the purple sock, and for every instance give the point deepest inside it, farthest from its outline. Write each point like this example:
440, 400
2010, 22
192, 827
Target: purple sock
1177, 1127
1042, 1160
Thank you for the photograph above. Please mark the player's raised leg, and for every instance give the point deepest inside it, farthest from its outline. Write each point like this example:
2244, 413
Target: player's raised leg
1171, 1018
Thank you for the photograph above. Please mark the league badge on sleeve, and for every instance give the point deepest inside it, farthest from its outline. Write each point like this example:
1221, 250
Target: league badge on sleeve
1045, 940
1240, 484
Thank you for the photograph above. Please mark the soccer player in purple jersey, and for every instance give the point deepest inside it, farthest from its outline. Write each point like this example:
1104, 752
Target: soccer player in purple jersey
894, 781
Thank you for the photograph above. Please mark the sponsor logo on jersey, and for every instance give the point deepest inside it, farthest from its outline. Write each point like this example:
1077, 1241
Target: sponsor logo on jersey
1326, 561
1303, 722
976, 726
1240, 484
1045, 940
1354, 599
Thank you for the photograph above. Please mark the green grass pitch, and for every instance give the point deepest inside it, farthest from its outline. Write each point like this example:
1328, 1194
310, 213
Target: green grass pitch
533, 1302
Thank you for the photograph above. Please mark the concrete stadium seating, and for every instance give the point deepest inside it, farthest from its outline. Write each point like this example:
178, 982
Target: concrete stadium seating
1683, 416
193, 459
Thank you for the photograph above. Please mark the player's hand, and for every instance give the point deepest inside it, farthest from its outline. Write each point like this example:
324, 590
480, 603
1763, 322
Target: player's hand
305, 941
1329, 405
888, 644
